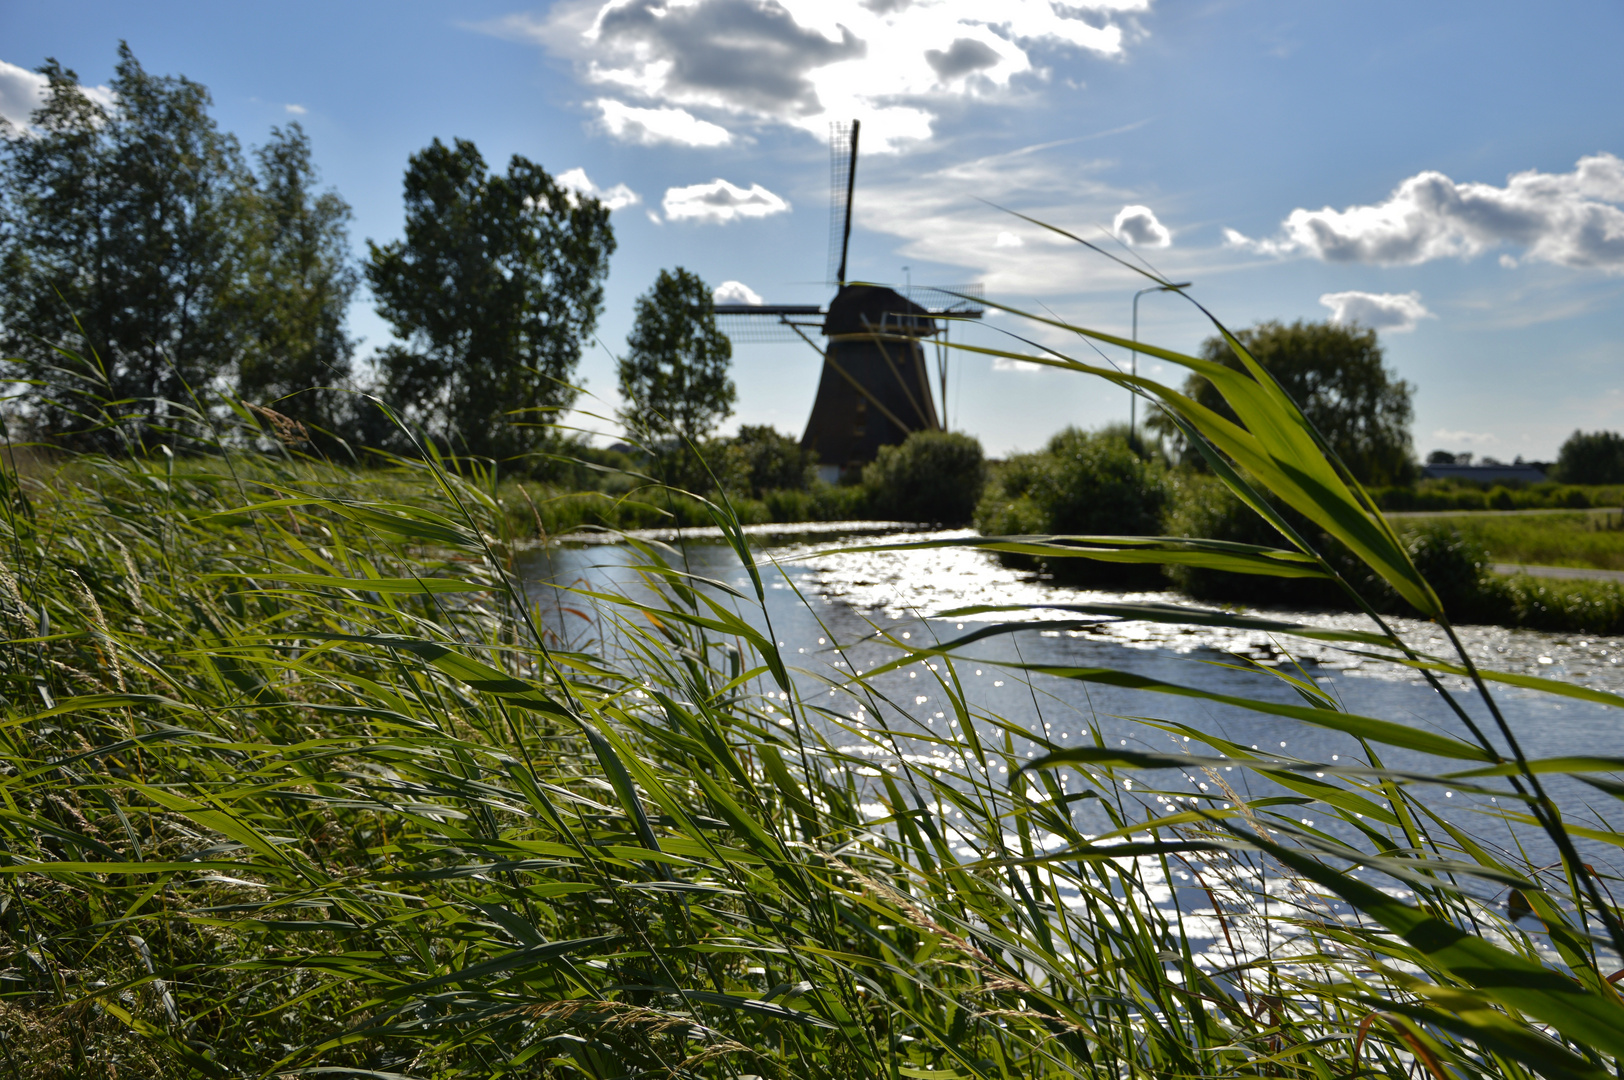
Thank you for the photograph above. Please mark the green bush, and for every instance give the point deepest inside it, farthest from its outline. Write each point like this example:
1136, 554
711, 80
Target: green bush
760, 459
787, 504
1457, 566
1202, 506
1081, 483
934, 476
840, 502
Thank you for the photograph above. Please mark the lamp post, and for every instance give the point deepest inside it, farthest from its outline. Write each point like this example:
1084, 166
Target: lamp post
1133, 396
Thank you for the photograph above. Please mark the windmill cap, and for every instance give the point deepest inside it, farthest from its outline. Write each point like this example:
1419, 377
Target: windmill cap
869, 309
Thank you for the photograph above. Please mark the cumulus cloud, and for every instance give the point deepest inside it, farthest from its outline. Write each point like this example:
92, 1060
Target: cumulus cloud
615, 198
1570, 219
22, 91
1137, 225
892, 63
649, 126
1398, 312
735, 292
720, 201
296, 110
1007, 239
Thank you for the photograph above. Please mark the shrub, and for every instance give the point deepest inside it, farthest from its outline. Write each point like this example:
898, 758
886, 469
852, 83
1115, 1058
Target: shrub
934, 476
760, 459
1203, 507
1575, 607
1081, 483
1456, 566
840, 502
787, 504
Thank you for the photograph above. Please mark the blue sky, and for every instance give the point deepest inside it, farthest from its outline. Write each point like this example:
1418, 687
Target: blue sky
1449, 172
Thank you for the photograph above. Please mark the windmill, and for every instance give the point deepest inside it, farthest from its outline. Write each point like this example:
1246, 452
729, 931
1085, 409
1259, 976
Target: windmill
875, 388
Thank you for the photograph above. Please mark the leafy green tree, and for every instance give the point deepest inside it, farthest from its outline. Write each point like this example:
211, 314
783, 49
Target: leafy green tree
674, 375
1336, 375
493, 288
299, 282
1591, 457
121, 243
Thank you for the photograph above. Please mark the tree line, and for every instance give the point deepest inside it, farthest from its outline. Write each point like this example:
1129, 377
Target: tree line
158, 276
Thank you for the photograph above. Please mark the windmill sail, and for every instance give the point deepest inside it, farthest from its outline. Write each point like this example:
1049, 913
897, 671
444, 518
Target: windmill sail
842, 182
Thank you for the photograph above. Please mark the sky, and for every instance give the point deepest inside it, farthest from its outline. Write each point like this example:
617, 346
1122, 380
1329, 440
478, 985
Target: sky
1449, 173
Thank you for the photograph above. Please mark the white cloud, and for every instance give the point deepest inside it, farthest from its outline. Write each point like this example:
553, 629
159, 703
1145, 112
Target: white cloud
649, 126
735, 292
1570, 219
296, 110
22, 91
1137, 225
720, 201
940, 218
1465, 438
1005, 363
1007, 239
892, 63
615, 198
1398, 312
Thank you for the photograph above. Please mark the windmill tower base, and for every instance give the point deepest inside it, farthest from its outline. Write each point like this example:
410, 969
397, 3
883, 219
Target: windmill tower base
874, 390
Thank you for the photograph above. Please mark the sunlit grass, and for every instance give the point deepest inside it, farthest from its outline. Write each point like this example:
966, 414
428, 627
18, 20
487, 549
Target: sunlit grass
1593, 539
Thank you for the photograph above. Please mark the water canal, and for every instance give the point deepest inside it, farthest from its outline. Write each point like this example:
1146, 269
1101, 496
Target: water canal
825, 610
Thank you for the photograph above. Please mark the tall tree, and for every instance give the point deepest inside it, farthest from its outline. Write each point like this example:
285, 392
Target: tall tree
1591, 457
298, 285
674, 375
121, 244
495, 284
1336, 375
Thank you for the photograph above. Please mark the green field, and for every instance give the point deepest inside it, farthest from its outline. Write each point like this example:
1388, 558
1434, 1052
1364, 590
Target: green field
1583, 538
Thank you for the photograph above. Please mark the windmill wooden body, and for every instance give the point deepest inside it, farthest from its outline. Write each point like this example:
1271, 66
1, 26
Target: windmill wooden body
875, 388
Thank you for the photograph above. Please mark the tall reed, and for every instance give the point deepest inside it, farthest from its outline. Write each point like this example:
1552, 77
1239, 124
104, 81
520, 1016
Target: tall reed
302, 781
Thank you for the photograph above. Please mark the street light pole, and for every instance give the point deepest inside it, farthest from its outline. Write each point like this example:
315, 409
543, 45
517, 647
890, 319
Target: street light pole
1133, 396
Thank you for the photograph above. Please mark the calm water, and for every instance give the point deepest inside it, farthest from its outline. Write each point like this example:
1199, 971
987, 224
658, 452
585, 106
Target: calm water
815, 601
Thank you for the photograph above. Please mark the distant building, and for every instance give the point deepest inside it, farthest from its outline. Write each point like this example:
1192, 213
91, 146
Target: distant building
1530, 472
